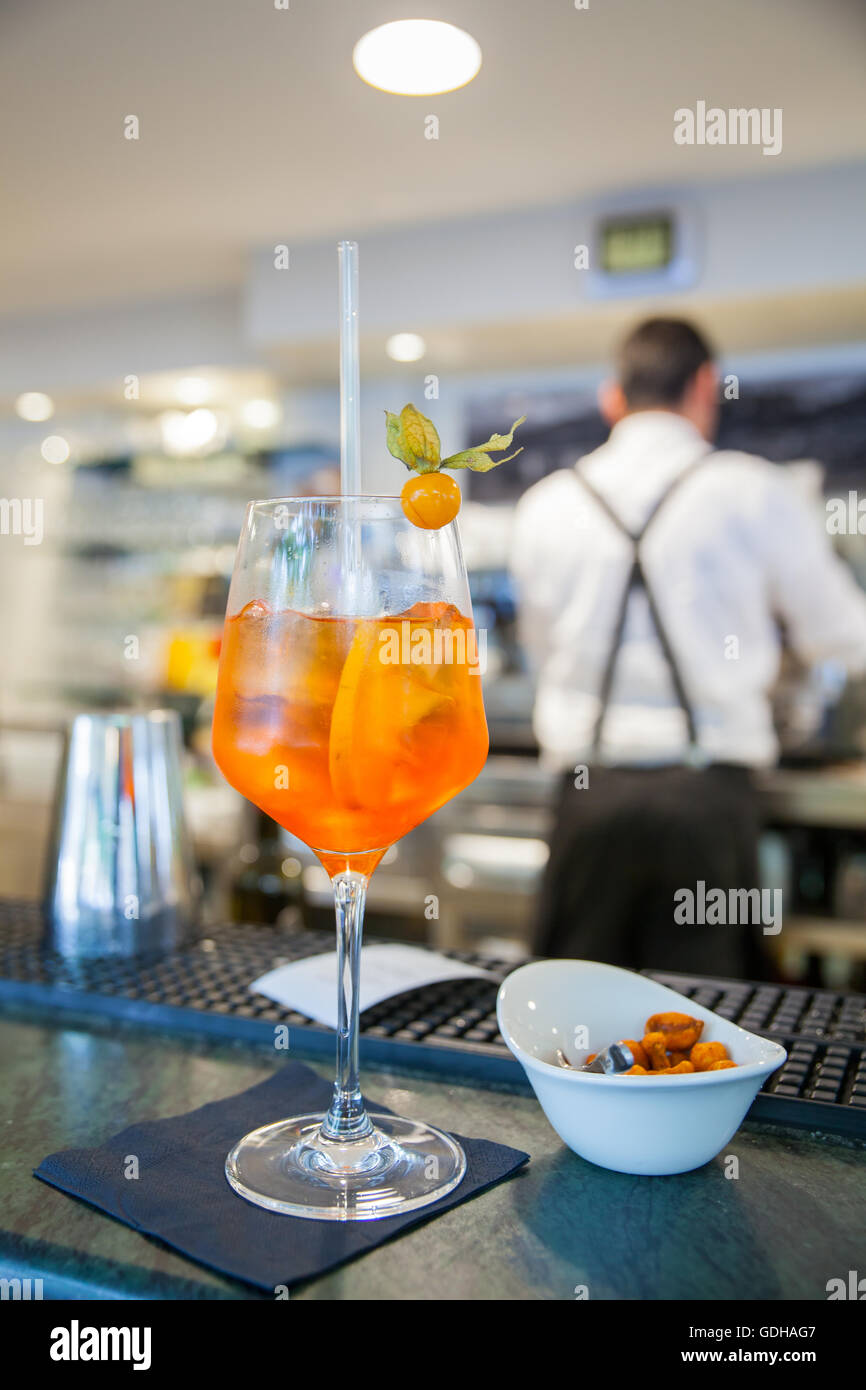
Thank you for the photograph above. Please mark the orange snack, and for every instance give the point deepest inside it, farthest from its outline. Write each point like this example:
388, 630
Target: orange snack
637, 1051
590, 1057
655, 1047
704, 1054
681, 1030
670, 1047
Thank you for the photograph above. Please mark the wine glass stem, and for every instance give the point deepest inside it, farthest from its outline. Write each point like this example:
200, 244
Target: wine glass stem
347, 1119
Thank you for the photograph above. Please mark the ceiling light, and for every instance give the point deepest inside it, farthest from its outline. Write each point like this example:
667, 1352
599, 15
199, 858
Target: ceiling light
406, 347
417, 57
193, 390
260, 414
183, 434
55, 449
34, 405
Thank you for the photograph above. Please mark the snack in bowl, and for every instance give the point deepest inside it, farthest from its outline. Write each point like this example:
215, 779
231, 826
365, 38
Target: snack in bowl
681, 1069
704, 1054
681, 1031
670, 1047
651, 1121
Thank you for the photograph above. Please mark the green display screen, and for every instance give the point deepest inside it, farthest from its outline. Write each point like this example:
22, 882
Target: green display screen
630, 244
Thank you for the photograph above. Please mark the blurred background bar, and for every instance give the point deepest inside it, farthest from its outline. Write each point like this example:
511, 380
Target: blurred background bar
168, 350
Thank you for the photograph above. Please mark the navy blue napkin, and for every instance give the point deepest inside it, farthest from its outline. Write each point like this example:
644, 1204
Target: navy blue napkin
182, 1195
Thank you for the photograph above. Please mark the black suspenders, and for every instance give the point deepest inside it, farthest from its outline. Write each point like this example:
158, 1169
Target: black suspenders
637, 579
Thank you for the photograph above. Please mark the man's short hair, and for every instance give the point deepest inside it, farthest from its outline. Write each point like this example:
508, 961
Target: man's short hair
657, 361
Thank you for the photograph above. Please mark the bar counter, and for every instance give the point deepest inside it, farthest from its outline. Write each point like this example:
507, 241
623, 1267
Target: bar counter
790, 1221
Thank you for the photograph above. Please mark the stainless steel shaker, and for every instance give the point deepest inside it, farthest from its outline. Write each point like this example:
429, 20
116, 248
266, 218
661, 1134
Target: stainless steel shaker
121, 873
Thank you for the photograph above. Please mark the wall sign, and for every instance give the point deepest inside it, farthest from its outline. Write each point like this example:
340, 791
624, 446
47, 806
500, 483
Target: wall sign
642, 251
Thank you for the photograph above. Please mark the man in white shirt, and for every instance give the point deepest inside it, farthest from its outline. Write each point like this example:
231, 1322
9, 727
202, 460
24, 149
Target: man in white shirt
654, 582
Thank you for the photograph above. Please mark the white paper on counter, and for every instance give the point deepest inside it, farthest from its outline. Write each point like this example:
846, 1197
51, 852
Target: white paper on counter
310, 986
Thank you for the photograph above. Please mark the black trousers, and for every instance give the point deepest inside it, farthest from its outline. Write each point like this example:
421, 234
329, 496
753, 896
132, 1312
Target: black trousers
621, 848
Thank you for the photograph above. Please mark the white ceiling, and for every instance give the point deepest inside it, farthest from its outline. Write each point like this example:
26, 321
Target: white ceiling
254, 128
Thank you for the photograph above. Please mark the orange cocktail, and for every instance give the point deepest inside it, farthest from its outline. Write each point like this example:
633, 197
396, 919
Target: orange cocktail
349, 731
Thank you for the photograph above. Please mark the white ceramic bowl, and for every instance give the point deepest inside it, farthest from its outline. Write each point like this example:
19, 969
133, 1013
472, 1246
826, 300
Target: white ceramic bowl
633, 1124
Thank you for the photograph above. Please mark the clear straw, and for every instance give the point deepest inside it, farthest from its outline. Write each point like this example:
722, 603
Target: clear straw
350, 393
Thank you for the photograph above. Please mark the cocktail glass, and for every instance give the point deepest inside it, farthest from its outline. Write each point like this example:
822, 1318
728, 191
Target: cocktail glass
349, 709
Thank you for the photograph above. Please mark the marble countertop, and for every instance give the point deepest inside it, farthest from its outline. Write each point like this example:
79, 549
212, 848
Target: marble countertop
780, 1230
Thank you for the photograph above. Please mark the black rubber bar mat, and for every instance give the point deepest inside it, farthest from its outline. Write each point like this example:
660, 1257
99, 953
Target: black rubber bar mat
448, 1028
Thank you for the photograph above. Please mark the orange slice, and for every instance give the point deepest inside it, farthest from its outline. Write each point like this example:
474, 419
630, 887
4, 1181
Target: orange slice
378, 705
361, 655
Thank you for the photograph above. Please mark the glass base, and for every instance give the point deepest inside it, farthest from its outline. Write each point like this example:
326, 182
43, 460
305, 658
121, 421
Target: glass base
401, 1166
